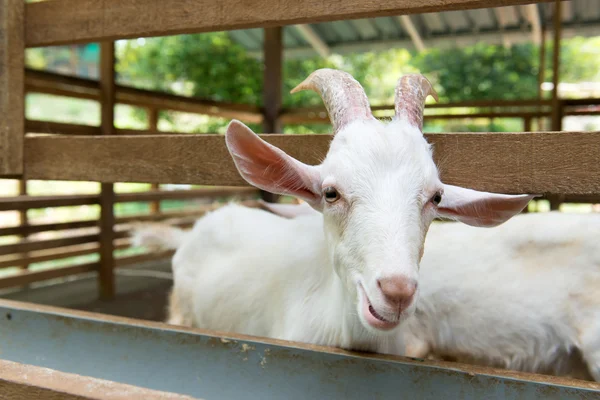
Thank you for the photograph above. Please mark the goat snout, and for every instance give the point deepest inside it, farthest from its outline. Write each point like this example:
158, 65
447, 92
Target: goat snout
398, 291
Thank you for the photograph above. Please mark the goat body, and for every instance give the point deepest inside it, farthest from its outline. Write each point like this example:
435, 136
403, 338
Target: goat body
522, 296
248, 271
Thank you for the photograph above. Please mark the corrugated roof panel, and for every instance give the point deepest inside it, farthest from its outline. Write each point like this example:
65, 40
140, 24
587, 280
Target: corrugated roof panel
246, 40
345, 31
365, 28
289, 40
325, 32
482, 18
567, 10
388, 27
434, 22
457, 20
591, 10
508, 16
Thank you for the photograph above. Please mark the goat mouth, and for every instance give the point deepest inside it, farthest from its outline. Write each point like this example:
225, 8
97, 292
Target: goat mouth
373, 318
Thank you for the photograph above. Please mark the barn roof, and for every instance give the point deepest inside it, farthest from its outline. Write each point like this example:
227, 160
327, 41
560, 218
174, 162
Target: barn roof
504, 25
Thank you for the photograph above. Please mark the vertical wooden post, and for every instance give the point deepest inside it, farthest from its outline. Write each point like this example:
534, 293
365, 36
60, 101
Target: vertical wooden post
107, 194
527, 124
12, 81
273, 82
556, 104
23, 221
153, 128
542, 74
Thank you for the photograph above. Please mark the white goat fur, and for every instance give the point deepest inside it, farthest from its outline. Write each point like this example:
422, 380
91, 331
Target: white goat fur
523, 296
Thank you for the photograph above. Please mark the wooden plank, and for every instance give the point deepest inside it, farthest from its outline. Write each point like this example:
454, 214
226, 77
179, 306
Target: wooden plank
26, 382
12, 112
28, 277
544, 162
57, 226
48, 127
140, 258
25, 245
106, 278
28, 202
541, 162
208, 193
322, 118
60, 253
61, 85
58, 22
164, 101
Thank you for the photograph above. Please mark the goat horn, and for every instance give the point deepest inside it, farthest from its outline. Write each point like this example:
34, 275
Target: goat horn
411, 92
344, 98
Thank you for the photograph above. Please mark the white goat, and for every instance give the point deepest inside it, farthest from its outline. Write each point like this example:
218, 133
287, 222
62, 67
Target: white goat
524, 296
348, 278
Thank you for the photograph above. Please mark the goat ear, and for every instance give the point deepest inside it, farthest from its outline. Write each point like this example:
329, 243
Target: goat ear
266, 167
288, 210
480, 208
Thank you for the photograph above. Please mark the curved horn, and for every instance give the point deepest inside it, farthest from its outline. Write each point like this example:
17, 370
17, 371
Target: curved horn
344, 98
411, 92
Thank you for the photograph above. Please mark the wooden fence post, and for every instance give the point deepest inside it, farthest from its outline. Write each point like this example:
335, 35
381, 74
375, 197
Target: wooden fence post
556, 105
107, 194
273, 82
12, 84
153, 128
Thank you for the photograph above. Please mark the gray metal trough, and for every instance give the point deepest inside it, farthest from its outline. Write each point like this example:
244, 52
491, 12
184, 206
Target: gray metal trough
211, 365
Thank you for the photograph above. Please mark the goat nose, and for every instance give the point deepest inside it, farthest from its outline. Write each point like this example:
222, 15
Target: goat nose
398, 291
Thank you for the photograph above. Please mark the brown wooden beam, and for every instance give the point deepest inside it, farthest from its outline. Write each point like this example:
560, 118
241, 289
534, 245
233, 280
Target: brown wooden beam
59, 22
12, 100
106, 281
28, 202
61, 85
541, 162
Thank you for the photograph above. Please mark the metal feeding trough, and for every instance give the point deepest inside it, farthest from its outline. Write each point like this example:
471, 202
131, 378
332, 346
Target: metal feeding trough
205, 365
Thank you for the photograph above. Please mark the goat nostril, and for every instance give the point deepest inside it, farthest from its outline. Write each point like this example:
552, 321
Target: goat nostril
398, 290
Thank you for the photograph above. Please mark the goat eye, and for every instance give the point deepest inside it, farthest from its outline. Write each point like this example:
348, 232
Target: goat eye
437, 198
331, 194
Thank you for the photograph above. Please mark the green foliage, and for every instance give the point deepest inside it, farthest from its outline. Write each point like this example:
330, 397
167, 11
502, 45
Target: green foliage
482, 72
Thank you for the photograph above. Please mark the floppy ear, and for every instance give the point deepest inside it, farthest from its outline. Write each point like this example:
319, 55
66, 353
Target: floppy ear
266, 167
288, 210
480, 208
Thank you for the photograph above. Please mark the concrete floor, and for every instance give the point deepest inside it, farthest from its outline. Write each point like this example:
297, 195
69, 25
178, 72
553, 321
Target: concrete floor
141, 292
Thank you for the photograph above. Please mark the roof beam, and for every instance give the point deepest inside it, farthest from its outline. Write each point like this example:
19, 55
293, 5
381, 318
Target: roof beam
313, 38
412, 31
533, 16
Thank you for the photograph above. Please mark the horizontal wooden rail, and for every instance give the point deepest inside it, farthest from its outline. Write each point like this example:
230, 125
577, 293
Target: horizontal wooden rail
28, 202
27, 230
28, 277
541, 162
324, 119
500, 103
47, 127
140, 258
61, 85
183, 219
26, 245
208, 193
59, 22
